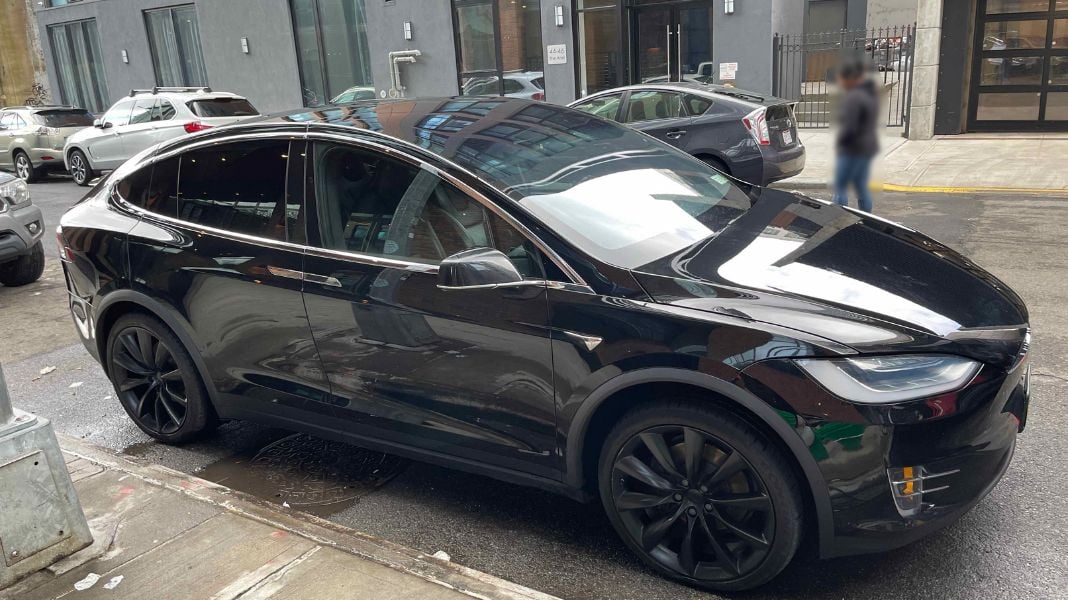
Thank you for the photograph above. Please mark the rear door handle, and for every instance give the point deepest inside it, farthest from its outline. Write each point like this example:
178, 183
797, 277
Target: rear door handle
674, 135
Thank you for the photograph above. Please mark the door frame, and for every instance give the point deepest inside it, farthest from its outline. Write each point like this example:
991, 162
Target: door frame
1043, 88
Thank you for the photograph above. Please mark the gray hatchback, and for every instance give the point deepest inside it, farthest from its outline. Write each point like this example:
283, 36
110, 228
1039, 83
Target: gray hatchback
748, 136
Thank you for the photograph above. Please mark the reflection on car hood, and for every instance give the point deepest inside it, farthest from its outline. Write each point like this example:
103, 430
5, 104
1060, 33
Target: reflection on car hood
852, 278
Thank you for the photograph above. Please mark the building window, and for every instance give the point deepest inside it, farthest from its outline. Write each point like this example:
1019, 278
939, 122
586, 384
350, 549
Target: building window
174, 39
331, 48
600, 45
78, 63
499, 48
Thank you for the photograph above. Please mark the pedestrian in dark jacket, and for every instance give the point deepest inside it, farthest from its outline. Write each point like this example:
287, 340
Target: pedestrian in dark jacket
857, 142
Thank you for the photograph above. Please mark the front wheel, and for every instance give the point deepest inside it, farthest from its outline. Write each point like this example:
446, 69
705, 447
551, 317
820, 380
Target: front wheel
25, 269
79, 168
156, 381
700, 495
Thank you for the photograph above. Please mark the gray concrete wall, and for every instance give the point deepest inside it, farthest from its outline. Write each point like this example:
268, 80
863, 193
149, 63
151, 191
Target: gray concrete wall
925, 70
746, 37
559, 79
268, 75
432, 34
890, 13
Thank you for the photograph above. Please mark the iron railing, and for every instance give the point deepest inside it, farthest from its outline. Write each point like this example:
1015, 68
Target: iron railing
803, 68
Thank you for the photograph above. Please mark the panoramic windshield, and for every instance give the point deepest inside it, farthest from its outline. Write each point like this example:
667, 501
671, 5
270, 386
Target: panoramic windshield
617, 194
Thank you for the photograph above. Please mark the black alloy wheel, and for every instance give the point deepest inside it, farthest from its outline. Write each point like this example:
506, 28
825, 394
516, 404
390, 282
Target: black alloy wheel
155, 380
708, 502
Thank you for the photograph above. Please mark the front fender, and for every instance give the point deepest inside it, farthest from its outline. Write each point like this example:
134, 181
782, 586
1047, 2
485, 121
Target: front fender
579, 424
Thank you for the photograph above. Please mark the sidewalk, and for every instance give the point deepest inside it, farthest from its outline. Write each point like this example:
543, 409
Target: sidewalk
956, 163
162, 534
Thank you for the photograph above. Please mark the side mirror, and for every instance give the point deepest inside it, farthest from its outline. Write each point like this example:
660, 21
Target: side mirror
98, 123
478, 268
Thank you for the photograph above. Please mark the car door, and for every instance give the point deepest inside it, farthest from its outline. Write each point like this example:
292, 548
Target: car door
106, 150
168, 125
465, 373
658, 113
221, 237
140, 132
7, 137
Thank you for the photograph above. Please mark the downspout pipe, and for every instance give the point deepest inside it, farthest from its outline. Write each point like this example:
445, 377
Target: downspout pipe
395, 59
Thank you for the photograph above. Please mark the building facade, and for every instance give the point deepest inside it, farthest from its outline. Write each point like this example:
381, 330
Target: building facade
990, 65
288, 53
23, 78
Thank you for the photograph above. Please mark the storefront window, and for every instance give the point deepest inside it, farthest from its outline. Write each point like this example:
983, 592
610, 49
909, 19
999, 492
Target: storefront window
599, 44
79, 68
174, 40
500, 48
997, 7
332, 52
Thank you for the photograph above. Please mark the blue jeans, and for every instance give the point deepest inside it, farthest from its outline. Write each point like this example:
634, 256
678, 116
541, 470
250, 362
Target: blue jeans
855, 170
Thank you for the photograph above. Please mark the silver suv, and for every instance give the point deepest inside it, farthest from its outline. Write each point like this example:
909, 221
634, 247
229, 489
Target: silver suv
32, 137
21, 228
144, 119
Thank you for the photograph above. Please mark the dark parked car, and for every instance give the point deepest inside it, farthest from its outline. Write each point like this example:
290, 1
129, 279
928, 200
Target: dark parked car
536, 294
745, 135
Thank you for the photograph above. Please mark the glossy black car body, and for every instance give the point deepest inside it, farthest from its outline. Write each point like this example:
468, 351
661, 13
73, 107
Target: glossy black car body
524, 382
708, 121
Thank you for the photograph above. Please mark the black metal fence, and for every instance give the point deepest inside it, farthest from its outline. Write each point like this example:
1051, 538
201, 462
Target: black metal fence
803, 69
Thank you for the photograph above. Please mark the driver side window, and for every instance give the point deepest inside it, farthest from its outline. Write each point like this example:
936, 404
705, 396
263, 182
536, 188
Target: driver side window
372, 204
119, 114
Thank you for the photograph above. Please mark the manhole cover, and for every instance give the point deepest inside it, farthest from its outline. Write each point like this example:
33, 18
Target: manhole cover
306, 472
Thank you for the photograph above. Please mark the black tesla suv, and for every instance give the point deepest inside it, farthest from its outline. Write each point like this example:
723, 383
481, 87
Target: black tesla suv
539, 295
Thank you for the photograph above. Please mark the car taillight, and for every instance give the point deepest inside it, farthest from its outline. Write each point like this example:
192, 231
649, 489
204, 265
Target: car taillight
65, 252
757, 124
538, 96
195, 126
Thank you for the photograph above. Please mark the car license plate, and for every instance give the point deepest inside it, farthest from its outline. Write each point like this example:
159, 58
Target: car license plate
787, 137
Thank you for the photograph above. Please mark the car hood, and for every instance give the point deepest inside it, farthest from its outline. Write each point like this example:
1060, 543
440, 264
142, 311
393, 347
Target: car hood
846, 276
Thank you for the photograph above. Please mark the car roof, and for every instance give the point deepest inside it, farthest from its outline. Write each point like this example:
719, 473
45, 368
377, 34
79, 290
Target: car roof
703, 89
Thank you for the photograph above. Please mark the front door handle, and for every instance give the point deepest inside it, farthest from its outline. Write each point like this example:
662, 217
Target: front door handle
676, 134
302, 276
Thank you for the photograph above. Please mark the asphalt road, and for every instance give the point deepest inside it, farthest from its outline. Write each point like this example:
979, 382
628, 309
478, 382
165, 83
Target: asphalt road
1014, 544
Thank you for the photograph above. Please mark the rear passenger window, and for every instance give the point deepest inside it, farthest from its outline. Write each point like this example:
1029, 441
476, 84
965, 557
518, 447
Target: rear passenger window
238, 187
649, 106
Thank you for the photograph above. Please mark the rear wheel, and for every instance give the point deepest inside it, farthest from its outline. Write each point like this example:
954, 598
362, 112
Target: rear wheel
700, 495
156, 381
24, 269
79, 168
24, 168
716, 164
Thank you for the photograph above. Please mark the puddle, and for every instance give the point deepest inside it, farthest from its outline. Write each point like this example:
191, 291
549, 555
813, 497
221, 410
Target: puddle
314, 475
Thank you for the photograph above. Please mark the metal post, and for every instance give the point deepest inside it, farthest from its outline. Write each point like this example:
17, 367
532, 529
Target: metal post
7, 414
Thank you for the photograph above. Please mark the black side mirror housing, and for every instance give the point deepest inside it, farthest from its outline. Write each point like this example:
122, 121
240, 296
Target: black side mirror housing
478, 268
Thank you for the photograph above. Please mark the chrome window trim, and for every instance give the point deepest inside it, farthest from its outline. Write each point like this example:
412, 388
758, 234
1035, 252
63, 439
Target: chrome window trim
577, 283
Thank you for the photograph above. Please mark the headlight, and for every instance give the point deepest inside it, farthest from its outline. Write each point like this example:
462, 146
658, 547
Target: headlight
886, 379
13, 193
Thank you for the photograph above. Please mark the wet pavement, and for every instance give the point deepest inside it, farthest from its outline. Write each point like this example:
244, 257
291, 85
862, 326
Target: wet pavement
1012, 545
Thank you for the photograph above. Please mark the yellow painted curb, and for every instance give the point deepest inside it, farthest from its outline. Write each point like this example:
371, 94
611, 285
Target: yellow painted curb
935, 189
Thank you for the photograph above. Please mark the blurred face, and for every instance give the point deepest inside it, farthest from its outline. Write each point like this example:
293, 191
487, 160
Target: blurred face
847, 83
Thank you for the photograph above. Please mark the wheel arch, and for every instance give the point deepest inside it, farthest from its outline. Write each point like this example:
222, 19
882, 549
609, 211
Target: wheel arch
714, 154
122, 302
602, 408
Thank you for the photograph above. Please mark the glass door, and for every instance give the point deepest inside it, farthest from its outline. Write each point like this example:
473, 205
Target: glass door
1020, 71
672, 42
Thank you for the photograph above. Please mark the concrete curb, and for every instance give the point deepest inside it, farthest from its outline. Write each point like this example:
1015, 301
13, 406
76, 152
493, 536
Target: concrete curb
406, 560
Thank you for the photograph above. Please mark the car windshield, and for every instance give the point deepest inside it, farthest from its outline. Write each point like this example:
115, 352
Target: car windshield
64, 118
222, 107
617, 194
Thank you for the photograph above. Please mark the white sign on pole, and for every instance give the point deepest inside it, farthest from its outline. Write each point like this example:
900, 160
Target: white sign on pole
728, 71
556, 54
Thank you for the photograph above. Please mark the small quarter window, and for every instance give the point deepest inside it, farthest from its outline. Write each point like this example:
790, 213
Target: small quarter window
696, 105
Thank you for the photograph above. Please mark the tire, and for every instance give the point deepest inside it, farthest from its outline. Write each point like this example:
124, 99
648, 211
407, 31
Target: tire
153, 373
24, 168
80, 169
654, 503
24, 269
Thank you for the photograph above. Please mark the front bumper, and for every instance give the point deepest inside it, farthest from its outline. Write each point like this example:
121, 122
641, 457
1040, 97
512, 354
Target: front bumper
16, 239
966, 437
